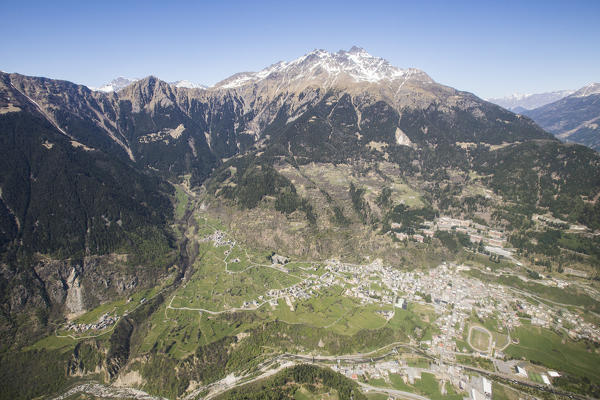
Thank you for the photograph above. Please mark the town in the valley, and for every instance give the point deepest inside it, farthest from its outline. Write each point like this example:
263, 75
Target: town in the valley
455, 298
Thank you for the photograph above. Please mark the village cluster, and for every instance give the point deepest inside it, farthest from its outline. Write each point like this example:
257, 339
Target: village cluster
104, 321
454, 296
476, 232
456, 301
478, 387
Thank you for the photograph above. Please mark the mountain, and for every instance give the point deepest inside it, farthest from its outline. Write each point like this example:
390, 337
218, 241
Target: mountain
115, 85
188, 84
327, 69
321, 107
519, 102
69, 209
119, 83
107, 198
360, 99
575, 118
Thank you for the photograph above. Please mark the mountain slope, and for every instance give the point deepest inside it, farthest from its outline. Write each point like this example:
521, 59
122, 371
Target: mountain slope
575, 118
360, 99
67, 208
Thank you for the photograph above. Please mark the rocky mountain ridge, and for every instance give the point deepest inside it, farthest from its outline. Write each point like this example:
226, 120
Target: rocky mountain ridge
121, 82
226, 119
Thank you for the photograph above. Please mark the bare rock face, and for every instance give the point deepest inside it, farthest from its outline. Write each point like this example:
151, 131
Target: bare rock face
74, 301
76, 286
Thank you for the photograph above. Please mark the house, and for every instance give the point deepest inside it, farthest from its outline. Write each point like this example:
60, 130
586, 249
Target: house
401, 303
494, 242
413, 373
428, 232
487, 387
277, 259
495, 234
545, 379
401, 236
475, 238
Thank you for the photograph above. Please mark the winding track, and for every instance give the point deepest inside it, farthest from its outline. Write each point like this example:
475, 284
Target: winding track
483, 329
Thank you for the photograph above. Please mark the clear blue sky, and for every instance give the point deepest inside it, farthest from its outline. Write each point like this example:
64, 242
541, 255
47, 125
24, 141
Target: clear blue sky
491, 48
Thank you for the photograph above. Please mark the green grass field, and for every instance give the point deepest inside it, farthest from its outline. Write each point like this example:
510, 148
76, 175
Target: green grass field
331, 310
553, 351
416, 318
178, 331
479, 362
52, 342
534, 376
430, 387
213, 288
181, 202
380, 382
569, 295
501, 392
377, 396
118, 307
398, 383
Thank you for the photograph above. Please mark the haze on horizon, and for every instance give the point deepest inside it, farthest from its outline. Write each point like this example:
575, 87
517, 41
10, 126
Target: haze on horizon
492, 50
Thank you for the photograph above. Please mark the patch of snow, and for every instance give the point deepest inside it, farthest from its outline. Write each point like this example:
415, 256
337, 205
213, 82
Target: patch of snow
187, 84
592, 88
115, 85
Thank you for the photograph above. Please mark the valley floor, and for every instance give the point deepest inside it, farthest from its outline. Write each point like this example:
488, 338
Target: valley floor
439, 333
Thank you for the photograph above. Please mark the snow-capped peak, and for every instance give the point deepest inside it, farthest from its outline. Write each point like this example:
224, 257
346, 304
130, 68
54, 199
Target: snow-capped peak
355, 64
187, 84
115, 85
592, 88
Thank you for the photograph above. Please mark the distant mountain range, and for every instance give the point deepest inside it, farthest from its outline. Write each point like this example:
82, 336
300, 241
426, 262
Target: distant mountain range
520, 102
574, 118
119, 83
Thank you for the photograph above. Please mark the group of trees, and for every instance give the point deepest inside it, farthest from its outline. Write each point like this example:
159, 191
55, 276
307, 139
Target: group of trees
284, 385
253, 180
